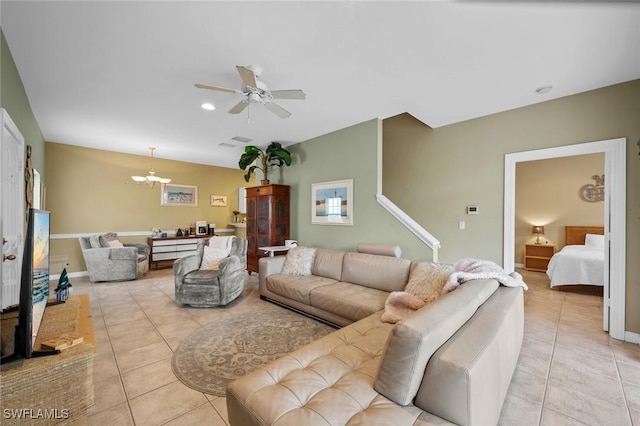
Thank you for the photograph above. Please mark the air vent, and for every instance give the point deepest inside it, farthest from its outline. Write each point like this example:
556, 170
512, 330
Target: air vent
241, 139
228, 145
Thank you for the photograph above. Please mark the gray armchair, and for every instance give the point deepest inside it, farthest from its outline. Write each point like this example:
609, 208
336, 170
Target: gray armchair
208, 288
107, 263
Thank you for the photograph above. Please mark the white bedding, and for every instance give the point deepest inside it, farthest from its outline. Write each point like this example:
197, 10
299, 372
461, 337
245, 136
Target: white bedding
577, 265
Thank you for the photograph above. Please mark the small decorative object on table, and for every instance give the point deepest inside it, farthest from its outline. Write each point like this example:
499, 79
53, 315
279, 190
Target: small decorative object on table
156, 232
235, 216
64, 287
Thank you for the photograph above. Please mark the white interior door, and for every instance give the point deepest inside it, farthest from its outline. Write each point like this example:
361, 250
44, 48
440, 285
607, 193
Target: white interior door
12, 207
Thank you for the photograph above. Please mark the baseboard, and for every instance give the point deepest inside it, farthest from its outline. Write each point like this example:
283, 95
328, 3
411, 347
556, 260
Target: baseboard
71, 275
631, 337
519, 265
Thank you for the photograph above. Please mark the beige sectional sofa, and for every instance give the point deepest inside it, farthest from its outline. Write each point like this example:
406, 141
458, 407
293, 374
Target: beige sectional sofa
449, 362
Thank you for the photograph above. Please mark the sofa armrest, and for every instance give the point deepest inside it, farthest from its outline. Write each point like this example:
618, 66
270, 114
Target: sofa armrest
184, 265
123, 253
141, 247
268, 266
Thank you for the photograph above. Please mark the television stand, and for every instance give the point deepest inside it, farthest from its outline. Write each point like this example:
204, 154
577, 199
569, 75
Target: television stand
63, 382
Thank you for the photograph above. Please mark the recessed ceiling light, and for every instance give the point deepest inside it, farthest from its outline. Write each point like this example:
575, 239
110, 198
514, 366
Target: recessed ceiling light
543, 89
208, 106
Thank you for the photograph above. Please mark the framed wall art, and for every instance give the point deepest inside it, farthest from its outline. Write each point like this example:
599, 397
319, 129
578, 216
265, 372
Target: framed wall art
179, 195
332, 203
219, 200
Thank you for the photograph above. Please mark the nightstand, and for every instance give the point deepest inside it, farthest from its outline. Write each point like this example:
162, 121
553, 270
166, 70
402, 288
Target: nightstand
537, 256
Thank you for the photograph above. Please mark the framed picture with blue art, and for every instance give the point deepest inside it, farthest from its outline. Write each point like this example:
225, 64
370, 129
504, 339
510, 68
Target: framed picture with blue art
332, 203
179, 195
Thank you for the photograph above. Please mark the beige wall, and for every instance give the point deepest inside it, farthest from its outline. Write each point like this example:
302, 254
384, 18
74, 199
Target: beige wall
433, 174
91, 191
547, 194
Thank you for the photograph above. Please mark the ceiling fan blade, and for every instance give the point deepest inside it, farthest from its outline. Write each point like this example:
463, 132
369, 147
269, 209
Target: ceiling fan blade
219, 89
277, 110
247, 76
239, 107
288, 94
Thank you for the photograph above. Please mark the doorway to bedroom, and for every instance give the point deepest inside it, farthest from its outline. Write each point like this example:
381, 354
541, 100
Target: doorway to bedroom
614, 151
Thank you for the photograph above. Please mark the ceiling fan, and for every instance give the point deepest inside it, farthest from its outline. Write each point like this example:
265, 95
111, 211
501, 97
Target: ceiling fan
257, 92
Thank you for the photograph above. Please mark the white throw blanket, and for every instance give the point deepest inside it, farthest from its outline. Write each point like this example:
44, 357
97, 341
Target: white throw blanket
218, 249
476, 269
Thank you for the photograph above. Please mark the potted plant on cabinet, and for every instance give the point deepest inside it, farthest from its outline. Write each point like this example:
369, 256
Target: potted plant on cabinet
273, 156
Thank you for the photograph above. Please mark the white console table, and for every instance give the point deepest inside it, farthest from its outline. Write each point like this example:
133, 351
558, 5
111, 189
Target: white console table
273, 249
172, 248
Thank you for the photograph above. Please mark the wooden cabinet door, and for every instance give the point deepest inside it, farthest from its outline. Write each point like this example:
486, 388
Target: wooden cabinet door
267, 220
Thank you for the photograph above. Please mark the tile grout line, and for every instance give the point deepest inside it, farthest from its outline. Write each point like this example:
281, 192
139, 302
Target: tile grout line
553, 349
624, 393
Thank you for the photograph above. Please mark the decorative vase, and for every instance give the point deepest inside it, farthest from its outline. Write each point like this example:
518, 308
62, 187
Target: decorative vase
264, 182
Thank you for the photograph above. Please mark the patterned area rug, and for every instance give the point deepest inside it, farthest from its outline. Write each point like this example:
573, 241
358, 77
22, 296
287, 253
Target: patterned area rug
219, 352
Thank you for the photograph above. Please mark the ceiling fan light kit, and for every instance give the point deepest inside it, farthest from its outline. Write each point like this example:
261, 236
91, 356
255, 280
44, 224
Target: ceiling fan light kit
257, 92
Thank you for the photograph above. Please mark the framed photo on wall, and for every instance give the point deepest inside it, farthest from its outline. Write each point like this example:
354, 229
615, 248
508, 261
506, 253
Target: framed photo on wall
219, 200
179, 195
332, 203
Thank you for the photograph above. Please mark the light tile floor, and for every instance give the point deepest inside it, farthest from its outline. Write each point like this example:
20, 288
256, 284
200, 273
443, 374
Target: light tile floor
569, 372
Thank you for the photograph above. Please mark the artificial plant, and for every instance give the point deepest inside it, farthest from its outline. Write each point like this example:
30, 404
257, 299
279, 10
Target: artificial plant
273, 156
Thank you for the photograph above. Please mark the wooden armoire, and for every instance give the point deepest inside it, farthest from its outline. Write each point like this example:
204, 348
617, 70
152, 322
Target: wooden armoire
267, 220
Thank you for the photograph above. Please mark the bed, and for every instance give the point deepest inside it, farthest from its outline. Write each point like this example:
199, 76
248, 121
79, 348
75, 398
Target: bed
581, 260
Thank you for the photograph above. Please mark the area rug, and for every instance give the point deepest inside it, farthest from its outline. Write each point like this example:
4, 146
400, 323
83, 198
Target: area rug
211, 357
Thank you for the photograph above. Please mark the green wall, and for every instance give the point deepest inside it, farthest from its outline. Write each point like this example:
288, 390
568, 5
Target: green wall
351, 153
433, 174
13, 98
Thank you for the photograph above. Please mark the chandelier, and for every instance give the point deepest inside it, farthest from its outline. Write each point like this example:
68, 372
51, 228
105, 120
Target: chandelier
151, 179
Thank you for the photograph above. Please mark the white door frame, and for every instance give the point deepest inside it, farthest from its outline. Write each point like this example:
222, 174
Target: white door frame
12, 218
615, 151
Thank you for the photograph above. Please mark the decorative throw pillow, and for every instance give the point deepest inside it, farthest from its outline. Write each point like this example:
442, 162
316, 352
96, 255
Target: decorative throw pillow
115, 243
400, 305
299, 261
427, 279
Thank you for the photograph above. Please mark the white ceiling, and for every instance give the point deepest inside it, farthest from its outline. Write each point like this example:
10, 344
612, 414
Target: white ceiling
119, 75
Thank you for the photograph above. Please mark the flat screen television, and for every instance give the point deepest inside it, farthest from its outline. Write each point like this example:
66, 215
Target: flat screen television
34, 286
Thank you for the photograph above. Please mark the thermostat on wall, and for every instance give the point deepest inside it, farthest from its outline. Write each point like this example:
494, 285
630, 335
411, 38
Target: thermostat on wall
472, 209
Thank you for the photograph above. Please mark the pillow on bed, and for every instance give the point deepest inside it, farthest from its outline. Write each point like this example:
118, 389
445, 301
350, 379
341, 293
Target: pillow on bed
594, 240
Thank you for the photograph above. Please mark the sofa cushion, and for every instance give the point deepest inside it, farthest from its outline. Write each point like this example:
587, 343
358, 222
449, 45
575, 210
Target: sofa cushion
98, 241
328, 263
296, 287
379, 249
299, 261
348, 300
110, 236
414, 340
381, 272
201, 277
327, 382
